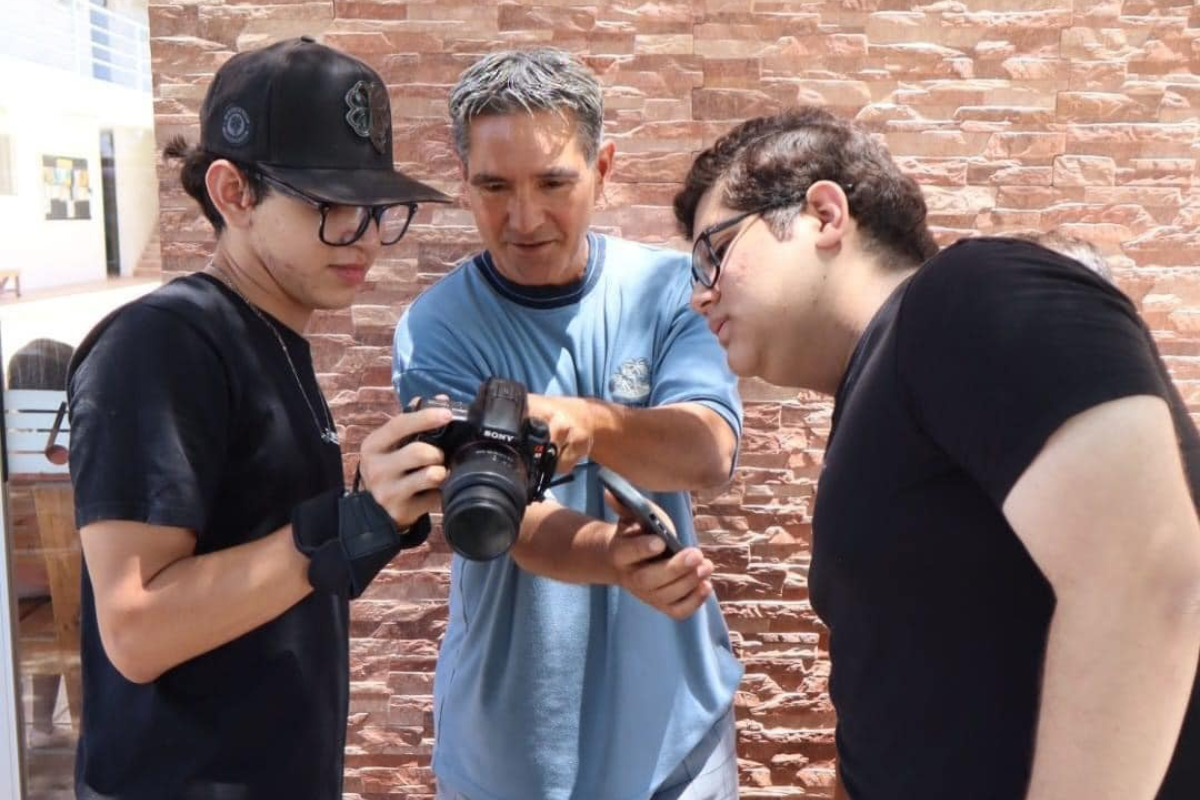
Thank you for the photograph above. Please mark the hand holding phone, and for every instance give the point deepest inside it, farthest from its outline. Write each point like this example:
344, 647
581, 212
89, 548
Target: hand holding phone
674, 586
641, 510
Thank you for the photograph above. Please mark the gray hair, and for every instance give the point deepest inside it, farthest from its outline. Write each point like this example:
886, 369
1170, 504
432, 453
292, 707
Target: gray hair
1075, 248
545, 79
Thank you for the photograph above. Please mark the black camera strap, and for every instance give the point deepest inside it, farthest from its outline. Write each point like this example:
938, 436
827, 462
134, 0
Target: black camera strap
570, 476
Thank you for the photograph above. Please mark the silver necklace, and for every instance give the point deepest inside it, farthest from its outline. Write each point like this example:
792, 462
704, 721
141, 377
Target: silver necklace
327, 430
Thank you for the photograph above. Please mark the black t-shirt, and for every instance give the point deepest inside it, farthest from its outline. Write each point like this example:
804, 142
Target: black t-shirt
938, 617
184, 412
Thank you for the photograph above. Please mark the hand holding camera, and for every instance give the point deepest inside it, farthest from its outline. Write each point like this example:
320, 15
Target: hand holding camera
400, 470
350, 537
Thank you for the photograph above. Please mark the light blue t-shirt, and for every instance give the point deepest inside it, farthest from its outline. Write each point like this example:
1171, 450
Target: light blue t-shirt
546, 689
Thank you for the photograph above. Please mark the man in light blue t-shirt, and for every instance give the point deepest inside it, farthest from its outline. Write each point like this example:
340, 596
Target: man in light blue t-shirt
577, 666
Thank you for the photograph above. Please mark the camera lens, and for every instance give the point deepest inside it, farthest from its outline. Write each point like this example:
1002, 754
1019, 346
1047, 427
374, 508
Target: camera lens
483, 501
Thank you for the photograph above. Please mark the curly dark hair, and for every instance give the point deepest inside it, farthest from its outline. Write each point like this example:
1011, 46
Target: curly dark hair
772, 161
194, 168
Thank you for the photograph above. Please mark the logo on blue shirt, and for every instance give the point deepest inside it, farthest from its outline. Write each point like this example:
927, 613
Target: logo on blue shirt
630, 384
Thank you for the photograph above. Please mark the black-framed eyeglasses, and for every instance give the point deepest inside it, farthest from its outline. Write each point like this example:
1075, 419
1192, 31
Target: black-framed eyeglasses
343, 225
706, 259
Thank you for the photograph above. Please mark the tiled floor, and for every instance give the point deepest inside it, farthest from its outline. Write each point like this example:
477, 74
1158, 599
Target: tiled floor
48, 735
49, 743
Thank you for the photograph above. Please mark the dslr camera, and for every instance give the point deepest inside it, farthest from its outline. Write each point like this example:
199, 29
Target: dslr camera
499, 461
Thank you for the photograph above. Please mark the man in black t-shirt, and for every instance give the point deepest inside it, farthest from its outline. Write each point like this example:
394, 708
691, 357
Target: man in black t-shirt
1005, 542
219, 545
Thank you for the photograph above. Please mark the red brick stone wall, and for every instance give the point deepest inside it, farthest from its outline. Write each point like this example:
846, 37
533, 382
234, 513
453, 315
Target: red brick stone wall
1014, 114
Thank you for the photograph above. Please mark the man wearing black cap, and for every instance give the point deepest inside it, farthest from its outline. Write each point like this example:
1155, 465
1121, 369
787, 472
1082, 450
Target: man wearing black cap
219, 544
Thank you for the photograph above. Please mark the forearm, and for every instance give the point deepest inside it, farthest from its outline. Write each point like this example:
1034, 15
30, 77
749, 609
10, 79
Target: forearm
1119, 670
198, 603
560, 543
678, 447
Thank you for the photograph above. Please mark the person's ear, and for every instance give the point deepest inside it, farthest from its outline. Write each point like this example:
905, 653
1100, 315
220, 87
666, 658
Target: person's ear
605, 158
230, 193
827, 202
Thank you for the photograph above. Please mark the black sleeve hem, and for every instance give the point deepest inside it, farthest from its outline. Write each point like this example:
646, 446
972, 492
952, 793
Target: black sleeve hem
154, 514
1024, 450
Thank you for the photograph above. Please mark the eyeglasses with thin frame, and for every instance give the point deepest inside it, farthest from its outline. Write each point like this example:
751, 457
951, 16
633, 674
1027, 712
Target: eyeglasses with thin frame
706, 259
346, 224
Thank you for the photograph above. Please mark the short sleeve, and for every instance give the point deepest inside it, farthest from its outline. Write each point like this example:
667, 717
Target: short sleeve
428, 360
690, 365
149, 411
1000, 342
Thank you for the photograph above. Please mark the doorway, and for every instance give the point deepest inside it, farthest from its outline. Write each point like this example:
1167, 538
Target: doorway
108, 189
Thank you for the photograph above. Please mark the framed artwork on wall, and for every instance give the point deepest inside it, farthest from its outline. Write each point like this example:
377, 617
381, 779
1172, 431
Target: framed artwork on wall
67, 187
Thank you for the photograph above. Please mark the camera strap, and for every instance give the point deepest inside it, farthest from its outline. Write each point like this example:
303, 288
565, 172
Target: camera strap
570, 476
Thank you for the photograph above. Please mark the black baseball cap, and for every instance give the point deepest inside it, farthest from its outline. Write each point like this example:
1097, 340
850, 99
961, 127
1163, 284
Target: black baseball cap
315, 118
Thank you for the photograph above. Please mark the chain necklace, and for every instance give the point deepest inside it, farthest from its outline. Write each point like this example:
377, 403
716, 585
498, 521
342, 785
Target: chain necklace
327, 431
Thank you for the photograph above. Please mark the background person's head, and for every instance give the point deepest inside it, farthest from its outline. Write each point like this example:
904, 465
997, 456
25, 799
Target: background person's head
294, 169
40, 364
528, 128
1075, 248
798, 221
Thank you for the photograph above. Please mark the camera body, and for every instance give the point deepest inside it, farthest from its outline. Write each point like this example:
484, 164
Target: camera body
499, 460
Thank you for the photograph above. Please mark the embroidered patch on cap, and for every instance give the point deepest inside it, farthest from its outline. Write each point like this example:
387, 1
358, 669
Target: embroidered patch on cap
368, 115
235, 126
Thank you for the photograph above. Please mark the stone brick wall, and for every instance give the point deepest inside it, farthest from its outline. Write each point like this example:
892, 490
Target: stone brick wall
1014, 114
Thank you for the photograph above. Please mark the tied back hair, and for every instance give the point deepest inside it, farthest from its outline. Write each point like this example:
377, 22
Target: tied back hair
193, 172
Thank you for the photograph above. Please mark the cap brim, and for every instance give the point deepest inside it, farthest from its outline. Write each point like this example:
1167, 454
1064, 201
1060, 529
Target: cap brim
357, 187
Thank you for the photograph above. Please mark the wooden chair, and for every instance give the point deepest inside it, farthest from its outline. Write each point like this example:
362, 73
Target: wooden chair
10, 274
36, 441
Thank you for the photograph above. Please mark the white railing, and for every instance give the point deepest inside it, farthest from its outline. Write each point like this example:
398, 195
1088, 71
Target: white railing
81, 37
36, 432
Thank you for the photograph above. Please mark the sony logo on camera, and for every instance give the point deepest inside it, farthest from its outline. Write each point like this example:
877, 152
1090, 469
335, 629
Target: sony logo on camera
504, 437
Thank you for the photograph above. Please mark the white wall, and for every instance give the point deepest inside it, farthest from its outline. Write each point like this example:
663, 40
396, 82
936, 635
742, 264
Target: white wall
51, 112
136, 155
50, 252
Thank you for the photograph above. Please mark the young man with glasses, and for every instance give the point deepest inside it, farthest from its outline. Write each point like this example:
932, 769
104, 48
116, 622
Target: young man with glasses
1005, 543
578, 665
220, 546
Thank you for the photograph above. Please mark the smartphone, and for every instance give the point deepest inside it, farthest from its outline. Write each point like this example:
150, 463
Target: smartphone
640, 508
